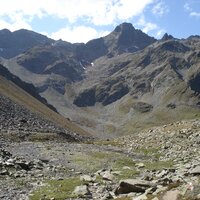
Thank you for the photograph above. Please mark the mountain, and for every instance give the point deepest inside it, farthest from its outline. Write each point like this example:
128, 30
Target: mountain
154, 68
124, 38
54, 64
167, 37
117, 84
14, 43
159, 84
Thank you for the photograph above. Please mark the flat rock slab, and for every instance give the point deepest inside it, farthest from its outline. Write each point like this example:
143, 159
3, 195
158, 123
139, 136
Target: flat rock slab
195, 171
133, 185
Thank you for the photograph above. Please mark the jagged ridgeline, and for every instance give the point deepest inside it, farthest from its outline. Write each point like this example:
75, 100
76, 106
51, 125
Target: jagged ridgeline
125, 75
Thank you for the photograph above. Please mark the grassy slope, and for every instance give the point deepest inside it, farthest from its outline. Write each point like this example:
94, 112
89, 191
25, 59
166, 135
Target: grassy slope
21, 97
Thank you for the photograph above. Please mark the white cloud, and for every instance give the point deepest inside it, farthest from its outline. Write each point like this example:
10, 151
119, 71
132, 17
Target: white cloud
149, 27
77, 34
15, 25
98, 12
160, 9
160, 33
20, 14
195, 14
187, 6
146, 26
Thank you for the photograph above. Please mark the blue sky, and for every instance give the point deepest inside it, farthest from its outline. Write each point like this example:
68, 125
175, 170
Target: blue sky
82, 20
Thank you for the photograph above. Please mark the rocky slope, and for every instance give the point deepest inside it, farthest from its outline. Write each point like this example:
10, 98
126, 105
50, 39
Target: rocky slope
22, 115
18, 123
159, 163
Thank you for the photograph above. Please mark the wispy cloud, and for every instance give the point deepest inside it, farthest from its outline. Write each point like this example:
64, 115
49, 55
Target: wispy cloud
146, 26
160, 33
187, 6
81, 17
190, 7
160, 9
15, 25
195, 14
150, 27
102, 12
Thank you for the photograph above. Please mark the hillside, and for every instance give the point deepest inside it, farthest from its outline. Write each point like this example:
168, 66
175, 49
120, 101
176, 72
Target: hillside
156, 85
28, 111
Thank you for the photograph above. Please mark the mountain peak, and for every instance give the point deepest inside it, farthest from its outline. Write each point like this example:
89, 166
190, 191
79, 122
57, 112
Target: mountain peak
124, 27
16, 42
5, 31
166, 36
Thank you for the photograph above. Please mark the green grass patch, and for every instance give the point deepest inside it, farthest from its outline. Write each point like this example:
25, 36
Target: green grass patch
123, 161
118, 165
128, 173
109, 160
90, 163
58, 189
153, 151
158, 165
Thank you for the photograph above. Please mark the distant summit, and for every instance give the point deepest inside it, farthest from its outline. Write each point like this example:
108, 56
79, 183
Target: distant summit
124, 38
130, 39
124, 27
14, 43
166, 36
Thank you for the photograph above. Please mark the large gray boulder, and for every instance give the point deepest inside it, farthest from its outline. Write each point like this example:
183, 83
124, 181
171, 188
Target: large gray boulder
134, 185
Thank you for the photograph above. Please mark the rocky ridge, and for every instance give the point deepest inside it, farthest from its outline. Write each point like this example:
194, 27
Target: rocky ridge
14, 43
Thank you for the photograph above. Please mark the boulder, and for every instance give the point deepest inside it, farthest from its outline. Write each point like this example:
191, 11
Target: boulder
139, 165
108, 176
133, 185
87, 178
81, 190
141, 197
195, 171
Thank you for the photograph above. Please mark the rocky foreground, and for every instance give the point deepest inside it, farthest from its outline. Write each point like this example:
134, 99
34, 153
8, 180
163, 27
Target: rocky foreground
162, 163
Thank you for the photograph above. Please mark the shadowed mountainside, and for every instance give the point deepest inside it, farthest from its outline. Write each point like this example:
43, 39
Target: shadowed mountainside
14, 43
